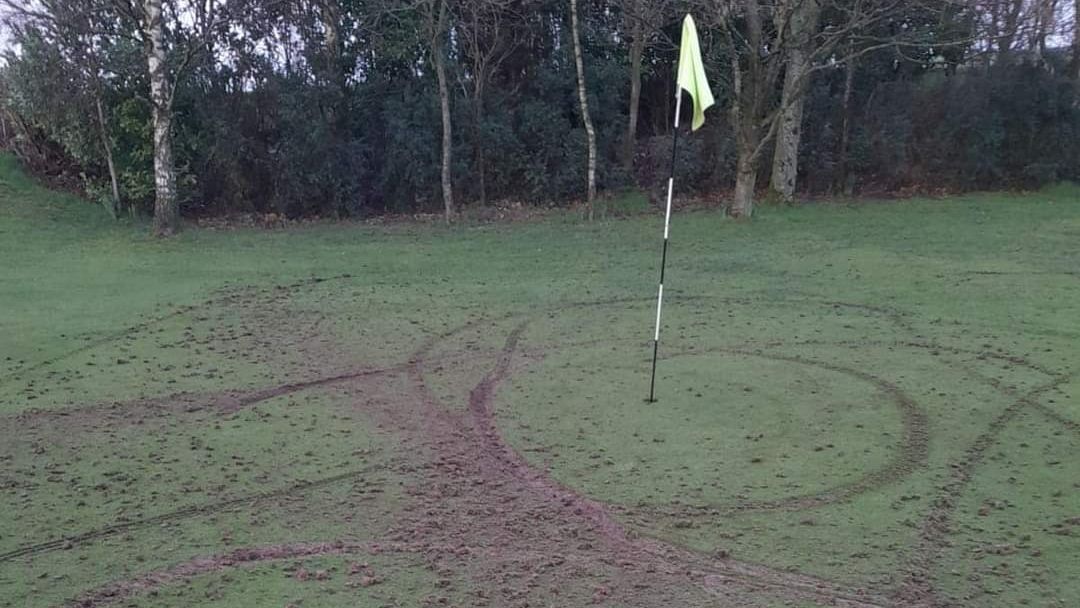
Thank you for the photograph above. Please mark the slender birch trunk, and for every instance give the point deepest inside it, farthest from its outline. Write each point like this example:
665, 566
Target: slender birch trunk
444, 104
166, 212
843, 181
590, 133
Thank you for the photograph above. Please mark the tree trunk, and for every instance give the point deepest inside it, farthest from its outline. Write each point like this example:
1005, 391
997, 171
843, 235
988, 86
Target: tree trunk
745, 181
843, 182
665, 125
166, 212
785, 167
482, 175
331, 19
637, 50
746, 147
1044, 25
106, 147
1076, 43
334, 71
750, 86
444, 103
1009, 30
478, 120
590, 134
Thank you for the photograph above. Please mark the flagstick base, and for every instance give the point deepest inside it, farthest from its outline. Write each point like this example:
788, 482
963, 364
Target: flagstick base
652, 383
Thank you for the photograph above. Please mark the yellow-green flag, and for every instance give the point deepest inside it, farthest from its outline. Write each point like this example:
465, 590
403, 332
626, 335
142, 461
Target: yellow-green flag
692, 73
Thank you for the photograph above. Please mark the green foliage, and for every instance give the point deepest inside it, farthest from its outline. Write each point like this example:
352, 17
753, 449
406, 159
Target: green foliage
623, 203
1013, 126
296, 129
134, 152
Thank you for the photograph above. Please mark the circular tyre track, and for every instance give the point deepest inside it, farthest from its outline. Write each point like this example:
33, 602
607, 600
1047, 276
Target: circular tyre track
915, 590
912, 449
510, 479
705, 571
911, 453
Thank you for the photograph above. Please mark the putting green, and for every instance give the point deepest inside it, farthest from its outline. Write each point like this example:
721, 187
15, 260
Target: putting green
734, 428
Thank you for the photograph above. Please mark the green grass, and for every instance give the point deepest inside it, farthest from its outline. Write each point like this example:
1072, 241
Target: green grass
1017, 525
196, 458
357, 580
790, 346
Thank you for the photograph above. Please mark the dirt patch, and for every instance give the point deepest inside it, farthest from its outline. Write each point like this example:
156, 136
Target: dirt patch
502, 469
224, 296
69, 542
118, 414
477, 508
120, 590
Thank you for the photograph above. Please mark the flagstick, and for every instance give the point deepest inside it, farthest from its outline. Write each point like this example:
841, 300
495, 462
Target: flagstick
663, 256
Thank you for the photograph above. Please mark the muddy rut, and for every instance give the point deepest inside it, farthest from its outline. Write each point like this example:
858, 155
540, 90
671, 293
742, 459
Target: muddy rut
479, 502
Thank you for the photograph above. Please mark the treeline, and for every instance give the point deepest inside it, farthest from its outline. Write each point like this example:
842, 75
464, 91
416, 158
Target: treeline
355, 107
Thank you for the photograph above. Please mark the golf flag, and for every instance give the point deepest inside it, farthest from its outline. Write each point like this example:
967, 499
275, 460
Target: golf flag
692, 80
692, 73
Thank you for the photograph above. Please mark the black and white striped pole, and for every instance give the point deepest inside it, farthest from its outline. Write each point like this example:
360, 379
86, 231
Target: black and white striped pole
667, 230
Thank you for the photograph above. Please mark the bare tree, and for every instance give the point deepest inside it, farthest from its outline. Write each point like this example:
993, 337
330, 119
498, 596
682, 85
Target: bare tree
843, 181
583, 98
1044, 21
487, 34
761, 40
640, 18
1018, 28
1009, 14
436, 19
1011, 31
754, 72
334, 71
804, 23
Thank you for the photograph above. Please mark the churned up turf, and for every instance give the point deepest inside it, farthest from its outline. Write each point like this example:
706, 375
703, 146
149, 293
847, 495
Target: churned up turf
874, 404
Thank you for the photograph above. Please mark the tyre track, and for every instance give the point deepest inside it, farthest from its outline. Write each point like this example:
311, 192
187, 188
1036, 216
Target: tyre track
917, 587
225, 296
227, 401
69, 542
118, 591
911, 455
709, 573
